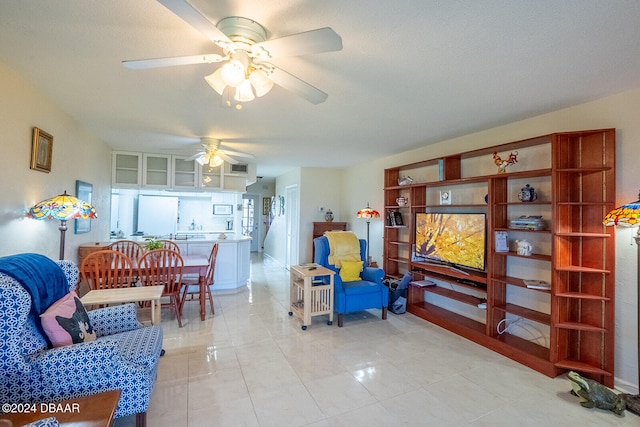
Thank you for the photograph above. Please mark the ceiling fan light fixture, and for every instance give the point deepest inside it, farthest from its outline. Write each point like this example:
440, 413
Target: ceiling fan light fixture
233, 73
201, 160
216, 82
215, 161
261, 83
244, 92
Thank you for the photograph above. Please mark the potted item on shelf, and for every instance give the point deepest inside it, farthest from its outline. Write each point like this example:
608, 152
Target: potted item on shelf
402, 201
523, 248
527, 194
328, 216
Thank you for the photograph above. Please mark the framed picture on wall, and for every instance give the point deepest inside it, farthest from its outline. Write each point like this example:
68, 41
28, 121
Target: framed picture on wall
41, 150
84, 192
266, 205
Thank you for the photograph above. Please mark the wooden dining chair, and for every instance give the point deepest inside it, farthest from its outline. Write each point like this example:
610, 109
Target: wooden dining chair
106, 269
170, 244
191, 287
164, 267
128, 247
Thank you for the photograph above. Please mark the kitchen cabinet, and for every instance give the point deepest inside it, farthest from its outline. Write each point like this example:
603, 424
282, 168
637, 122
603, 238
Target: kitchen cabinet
210, 177
185, 172
156, 170
162, 171
126, 169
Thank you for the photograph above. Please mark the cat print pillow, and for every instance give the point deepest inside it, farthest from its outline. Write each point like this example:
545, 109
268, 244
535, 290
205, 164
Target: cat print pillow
66, 322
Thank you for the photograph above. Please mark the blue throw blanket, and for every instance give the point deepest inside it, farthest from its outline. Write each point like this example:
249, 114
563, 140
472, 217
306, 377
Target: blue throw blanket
40, 276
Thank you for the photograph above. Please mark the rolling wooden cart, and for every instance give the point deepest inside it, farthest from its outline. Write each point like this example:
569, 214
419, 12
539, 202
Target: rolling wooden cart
308, 299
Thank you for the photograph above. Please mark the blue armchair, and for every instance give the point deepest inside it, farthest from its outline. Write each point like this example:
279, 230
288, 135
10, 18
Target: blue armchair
124, 356
354, 296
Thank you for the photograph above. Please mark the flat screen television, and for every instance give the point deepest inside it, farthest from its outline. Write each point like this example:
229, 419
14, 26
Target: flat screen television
453, 239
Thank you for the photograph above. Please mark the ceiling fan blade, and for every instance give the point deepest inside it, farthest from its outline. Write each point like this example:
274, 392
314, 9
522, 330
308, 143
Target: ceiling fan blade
193, 17
140, 64
308, 42
237, 154
227, 158
195, 156
297, 86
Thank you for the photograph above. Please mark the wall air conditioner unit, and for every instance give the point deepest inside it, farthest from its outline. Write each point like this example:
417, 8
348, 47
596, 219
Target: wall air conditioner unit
240, 168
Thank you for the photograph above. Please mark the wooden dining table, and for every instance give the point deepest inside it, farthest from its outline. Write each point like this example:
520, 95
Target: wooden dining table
193, 264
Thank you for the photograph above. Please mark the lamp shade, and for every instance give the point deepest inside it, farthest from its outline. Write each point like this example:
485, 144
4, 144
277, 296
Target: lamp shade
626, 215
368, 213
63, 208
233, 73
244, 92
215, 160
261, 83
215, 81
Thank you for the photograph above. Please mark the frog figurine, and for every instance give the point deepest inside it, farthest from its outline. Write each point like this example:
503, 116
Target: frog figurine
596, 395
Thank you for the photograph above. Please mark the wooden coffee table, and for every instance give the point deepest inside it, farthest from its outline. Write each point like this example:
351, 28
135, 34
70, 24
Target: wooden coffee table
133, 294
96, 410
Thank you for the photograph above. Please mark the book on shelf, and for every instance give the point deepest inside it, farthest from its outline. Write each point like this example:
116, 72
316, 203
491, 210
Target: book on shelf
537, 284
423, 283
394, 219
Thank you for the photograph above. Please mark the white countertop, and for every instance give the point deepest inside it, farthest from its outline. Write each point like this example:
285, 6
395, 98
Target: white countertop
196, 239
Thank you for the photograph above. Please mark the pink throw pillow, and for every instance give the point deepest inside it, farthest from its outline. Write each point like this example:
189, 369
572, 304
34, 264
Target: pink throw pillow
66, 322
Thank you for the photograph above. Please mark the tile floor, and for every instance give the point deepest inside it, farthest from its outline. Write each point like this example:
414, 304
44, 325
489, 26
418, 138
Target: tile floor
252, 365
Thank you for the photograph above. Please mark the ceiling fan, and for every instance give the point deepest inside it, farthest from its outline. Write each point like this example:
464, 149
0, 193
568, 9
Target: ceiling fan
213, 155
246, 52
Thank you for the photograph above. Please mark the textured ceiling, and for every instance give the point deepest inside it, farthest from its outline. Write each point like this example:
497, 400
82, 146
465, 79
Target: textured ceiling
411, 72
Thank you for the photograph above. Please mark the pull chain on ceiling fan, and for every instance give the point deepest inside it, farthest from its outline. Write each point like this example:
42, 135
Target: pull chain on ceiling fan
246, 50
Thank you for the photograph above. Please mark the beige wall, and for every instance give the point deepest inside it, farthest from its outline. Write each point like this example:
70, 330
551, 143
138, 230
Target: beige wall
365, 182
76, 155
317, 188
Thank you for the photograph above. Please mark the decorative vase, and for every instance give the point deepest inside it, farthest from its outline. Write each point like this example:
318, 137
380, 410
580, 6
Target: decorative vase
527, 194
328, 216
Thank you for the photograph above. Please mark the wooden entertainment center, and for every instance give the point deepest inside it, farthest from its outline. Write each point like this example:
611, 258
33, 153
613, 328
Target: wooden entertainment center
573, 174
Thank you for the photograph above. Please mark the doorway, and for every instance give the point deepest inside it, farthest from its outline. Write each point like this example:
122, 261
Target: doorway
292, 218
250, 219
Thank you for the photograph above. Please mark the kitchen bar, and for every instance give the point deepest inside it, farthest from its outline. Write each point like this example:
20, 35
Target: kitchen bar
232, 265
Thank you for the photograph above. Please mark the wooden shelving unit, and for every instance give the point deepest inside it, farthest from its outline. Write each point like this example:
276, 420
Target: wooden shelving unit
575, 174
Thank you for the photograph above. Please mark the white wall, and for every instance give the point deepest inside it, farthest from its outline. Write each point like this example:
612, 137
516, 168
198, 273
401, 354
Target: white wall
275, 243
365, 182
319, 187
76, 155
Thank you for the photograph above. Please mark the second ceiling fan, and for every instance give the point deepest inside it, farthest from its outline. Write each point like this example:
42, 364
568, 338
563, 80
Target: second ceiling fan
246, 53
212, 153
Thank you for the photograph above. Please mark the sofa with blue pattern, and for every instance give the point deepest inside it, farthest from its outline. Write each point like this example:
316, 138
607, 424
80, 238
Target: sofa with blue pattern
124, 356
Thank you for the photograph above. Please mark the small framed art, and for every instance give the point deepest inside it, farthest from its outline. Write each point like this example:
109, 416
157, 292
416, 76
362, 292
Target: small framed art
41, 150
84, 192
266, 205
502, 244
